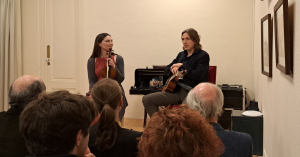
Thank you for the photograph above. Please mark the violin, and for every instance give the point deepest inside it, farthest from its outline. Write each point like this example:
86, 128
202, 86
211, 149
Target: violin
109, 71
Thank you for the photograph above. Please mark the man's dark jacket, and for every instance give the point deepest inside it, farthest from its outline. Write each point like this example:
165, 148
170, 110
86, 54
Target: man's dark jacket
237, 144
197, 66
12, 144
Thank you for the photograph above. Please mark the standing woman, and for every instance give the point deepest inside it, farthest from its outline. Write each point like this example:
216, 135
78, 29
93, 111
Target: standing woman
98, 60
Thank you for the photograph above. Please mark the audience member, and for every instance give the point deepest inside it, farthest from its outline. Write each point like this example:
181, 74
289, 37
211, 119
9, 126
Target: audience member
24, 90
208, 99
57, 125
180, 132
107, 138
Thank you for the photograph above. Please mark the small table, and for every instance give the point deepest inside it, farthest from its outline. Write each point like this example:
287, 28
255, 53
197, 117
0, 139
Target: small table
252, 126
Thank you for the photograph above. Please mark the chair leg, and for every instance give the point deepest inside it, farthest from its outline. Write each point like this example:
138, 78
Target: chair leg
145, 118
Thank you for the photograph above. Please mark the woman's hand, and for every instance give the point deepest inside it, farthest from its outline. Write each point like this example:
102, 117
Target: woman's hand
88, 153
111, 62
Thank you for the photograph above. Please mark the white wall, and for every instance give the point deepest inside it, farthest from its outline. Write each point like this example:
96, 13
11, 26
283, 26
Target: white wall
30, 37
278, 97
148, 33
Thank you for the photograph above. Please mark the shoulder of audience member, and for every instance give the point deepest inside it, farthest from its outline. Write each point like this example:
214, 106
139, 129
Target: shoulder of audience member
244, 137
130, 134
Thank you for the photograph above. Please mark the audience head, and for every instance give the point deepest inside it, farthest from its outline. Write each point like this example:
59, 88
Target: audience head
208, 99
179, 132
194, 36
57, 123
108, 96
97, 48
24, 90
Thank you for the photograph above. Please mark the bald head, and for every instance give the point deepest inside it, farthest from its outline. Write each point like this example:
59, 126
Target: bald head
25, 89
23, 82
206, 98
206, 91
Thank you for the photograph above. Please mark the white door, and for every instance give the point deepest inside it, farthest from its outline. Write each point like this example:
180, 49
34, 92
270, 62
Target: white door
63, 38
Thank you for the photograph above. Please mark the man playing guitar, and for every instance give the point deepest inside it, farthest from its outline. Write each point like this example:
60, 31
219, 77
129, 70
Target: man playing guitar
194, 60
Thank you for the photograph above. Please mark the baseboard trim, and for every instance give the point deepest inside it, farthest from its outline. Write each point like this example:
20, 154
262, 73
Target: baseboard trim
265, 153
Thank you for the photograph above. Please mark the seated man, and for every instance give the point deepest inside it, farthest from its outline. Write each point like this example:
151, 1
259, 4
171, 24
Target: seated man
24, 90
208, 99
196, 63
58, 125
180, 132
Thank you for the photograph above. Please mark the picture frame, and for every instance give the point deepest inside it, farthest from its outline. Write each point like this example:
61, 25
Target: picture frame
282, 39
266, 45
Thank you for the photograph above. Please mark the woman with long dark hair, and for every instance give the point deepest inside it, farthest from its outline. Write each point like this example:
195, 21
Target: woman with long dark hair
107, 138
98, 60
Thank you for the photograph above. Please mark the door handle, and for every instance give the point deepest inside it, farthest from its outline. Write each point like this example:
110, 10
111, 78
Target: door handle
48, 55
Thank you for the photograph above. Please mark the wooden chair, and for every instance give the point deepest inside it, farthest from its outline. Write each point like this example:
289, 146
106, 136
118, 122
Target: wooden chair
212, 75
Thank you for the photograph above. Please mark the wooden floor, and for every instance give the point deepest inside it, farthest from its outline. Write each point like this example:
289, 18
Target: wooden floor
137, 125
134, 124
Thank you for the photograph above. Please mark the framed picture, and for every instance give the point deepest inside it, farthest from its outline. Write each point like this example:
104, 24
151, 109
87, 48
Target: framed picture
282, 39
266, 45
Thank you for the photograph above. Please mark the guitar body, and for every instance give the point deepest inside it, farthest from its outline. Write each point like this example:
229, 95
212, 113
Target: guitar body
171, 82
170, 86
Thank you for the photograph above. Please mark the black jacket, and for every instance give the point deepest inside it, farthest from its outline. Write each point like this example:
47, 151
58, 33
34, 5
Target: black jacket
64, 155
237, 144
197, 66
12, 144
125, 145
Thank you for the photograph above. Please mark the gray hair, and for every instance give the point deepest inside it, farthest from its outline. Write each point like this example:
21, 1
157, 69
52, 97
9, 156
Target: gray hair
209, 108
24, 97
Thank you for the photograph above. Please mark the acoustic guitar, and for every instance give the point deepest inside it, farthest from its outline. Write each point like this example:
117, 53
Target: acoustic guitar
172, 81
